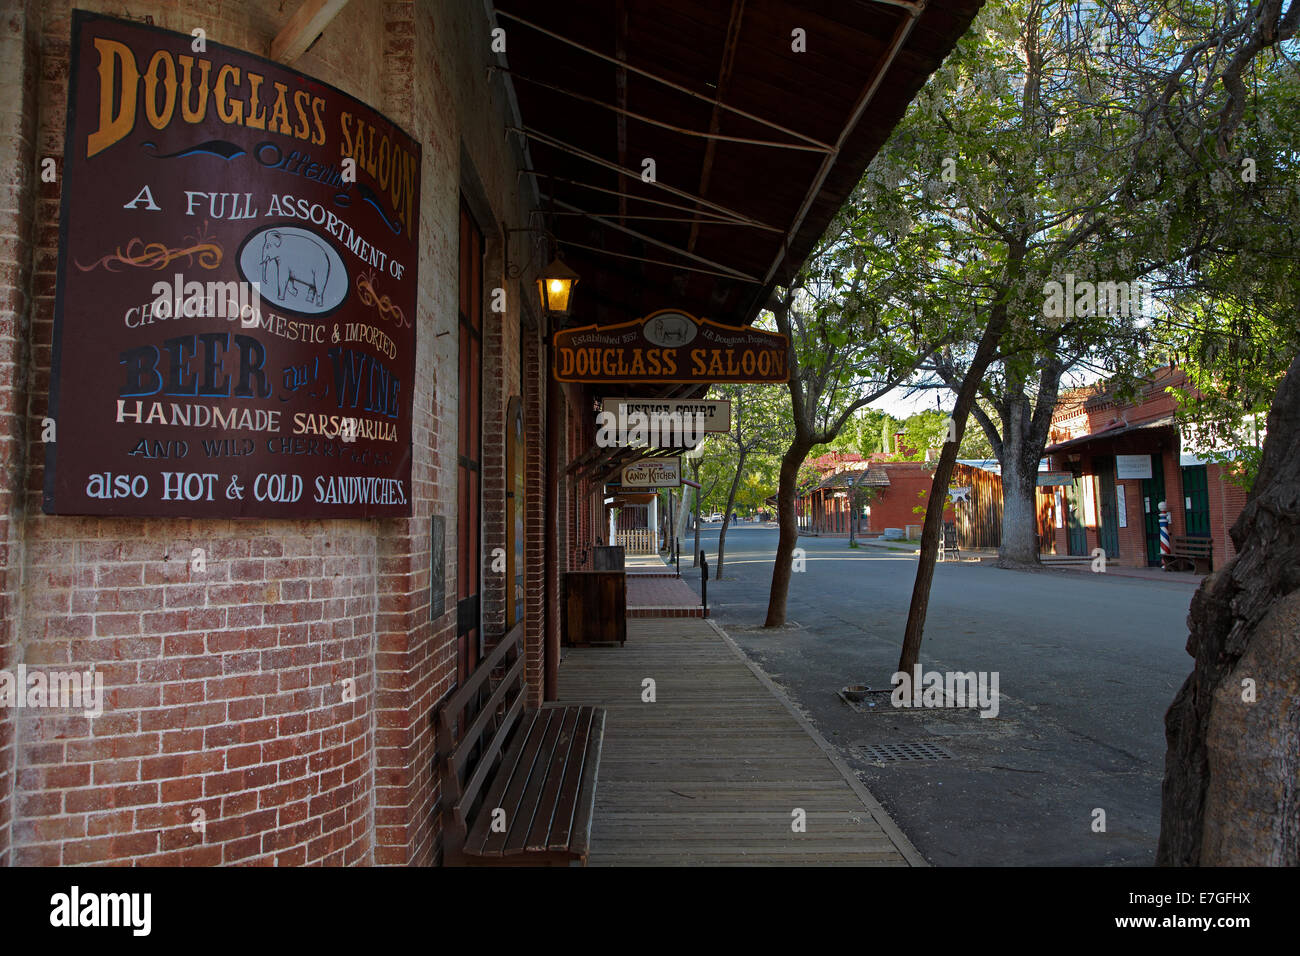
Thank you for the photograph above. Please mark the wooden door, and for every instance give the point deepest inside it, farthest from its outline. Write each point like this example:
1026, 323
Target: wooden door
1153, 492
1108, 518
1077, 537
1196, 501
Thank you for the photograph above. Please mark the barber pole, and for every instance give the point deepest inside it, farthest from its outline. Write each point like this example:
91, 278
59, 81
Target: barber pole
1166, 545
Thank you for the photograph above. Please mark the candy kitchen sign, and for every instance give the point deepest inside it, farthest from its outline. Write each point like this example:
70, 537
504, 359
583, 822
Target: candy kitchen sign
652, 473
235, 316
670, 346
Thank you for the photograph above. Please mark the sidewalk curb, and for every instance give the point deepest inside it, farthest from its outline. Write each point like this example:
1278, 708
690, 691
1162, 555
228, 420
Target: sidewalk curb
878, 813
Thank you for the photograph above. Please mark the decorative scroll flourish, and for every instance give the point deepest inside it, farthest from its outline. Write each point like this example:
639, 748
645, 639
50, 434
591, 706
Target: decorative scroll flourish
157, 255
367, 295
368, 195
213, 147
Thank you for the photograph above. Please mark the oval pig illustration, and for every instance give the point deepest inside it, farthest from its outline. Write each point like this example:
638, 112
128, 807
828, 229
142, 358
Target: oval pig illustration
297, 270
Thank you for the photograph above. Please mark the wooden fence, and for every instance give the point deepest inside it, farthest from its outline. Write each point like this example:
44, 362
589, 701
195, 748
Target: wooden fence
979, 521
637, 541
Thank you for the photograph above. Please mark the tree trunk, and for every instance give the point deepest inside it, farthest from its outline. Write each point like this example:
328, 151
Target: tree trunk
1230, 795
726, 516
1019, 547
695, 555
679, 530
855, 506
789, 528
916, 612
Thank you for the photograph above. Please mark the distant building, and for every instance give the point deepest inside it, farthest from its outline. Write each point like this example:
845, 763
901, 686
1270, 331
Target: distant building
1116, 461
897, 490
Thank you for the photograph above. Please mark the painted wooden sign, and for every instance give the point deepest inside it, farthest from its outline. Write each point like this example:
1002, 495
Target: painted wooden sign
670, 346
652, 473
234, 330
715, 414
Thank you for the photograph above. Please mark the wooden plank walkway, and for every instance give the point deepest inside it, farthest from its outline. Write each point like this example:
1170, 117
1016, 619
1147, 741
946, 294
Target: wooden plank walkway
711, 771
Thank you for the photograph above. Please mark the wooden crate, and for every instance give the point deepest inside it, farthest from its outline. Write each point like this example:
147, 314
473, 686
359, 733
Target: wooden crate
595, 607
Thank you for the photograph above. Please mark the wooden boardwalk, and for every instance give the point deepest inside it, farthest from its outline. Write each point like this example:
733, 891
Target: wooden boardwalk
711, 772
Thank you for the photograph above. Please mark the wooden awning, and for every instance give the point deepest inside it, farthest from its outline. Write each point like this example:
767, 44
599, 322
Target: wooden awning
753, 144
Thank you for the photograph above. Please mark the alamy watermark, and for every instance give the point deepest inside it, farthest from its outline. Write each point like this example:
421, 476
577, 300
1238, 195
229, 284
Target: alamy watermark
222, 300
653, 430
1071, 299
946, 689
53, 689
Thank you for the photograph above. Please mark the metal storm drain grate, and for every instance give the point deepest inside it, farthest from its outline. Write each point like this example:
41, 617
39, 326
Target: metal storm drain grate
905, 752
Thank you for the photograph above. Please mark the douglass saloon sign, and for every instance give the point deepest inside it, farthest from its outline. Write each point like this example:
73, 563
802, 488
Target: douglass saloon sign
670, 346
234, 325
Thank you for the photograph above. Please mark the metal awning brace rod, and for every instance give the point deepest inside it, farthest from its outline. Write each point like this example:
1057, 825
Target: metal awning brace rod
653, 262
554, 143
901, 34
659, 79
808, 148
538, 174
727, 270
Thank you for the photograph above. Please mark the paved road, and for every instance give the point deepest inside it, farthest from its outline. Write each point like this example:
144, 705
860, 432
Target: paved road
1087, 665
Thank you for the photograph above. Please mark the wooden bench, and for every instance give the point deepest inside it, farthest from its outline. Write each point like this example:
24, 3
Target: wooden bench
1194, 553
518, 784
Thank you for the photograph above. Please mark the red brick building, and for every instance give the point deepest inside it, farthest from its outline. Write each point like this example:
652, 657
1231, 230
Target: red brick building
896, 494
1123, 459
280, 690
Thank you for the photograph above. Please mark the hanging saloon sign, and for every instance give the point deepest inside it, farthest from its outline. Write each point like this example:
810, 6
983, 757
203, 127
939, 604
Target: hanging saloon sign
235, 316
670, 346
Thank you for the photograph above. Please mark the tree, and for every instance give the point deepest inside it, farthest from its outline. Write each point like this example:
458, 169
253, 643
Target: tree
1053, 170
1229, 795
923, 431
759, 423
852, 341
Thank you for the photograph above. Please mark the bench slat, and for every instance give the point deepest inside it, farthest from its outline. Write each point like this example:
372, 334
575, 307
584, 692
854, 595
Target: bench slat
580, 831
538, 836
509, 782
538, 802
550, 756
566, 809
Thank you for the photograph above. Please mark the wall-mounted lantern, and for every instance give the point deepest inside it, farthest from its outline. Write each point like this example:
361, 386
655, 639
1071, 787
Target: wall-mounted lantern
555, 286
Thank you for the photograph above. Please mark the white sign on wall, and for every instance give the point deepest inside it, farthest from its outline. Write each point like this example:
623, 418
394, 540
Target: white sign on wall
1132, 466
1121, 508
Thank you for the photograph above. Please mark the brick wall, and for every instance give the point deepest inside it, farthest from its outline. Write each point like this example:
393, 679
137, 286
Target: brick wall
19, 71
892, 506
1226, 503
225, 686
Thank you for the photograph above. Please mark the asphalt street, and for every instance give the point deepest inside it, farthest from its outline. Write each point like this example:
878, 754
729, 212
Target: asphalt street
1087, 665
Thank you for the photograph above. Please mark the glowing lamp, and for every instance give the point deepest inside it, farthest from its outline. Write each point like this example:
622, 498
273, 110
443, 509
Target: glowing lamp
555, 286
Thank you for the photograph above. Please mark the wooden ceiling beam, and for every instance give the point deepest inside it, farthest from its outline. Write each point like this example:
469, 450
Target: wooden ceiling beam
304, 27
724, 74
